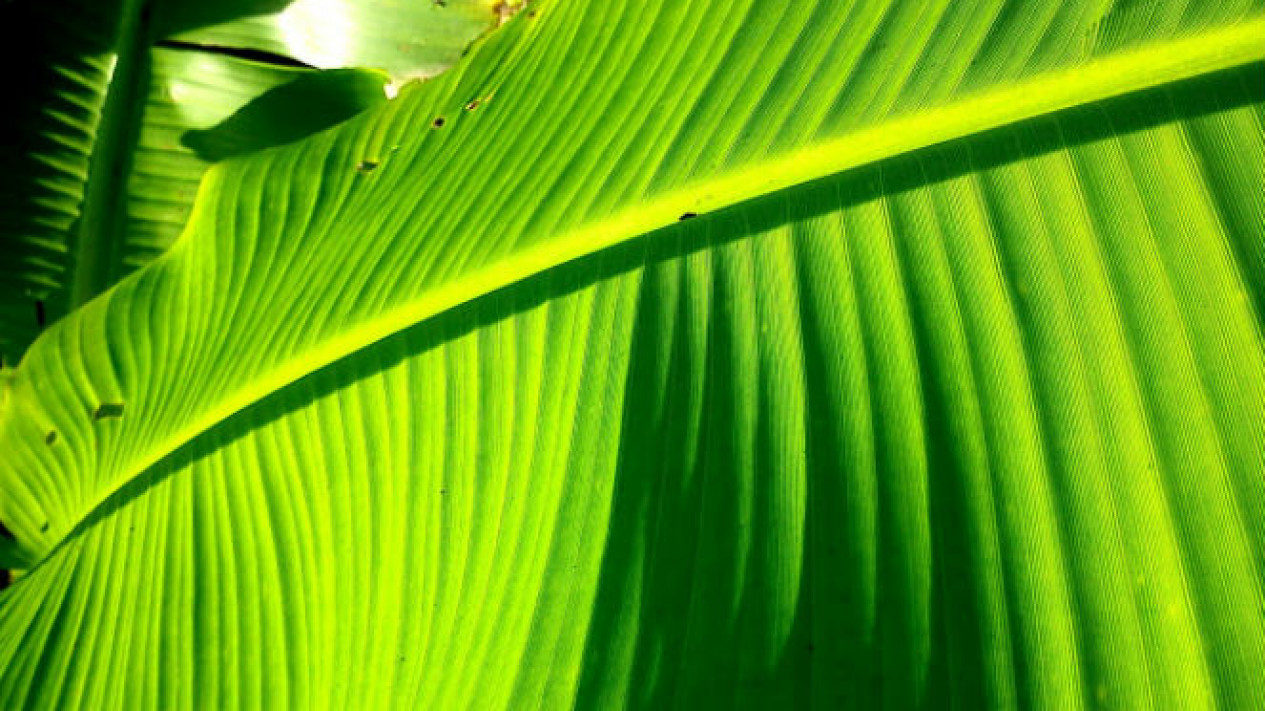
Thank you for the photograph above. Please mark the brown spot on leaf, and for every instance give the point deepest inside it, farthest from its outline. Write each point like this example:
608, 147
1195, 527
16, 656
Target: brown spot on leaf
507, 9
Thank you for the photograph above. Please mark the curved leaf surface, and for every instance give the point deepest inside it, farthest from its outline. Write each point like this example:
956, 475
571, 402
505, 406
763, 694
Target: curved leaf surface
951, 393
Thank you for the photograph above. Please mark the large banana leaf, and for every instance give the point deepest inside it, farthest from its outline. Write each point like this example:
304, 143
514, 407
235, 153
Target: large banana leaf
951, 393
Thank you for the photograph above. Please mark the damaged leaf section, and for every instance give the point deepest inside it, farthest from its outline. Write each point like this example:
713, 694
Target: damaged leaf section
505, 10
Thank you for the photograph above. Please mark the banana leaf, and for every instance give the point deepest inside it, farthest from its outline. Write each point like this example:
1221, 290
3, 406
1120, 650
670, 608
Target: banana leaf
673, 354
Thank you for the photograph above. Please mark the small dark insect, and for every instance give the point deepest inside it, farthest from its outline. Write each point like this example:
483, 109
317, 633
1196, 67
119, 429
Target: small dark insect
367, 165
44, 527
51, 438
438, 122
688, 216
107, 410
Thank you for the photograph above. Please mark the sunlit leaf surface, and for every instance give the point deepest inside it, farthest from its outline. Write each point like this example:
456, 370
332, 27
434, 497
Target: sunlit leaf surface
672, 354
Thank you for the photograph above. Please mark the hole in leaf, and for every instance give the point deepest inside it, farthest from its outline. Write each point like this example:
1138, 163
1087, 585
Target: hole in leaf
108, 410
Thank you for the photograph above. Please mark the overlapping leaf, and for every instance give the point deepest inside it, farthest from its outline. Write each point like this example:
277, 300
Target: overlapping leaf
96, 179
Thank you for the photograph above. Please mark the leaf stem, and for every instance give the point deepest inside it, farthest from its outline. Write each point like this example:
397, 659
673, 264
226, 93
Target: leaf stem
97, 237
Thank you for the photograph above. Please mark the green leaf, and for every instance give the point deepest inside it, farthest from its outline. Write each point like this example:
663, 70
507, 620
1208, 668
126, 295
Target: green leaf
951, 393
205, 107
95, 177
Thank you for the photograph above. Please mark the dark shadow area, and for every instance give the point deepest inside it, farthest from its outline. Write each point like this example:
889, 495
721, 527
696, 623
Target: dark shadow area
310, 103
44, 50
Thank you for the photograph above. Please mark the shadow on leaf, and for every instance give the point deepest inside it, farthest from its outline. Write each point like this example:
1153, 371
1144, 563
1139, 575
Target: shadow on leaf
290, 112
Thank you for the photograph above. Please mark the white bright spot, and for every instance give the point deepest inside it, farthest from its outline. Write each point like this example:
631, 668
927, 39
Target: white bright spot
314, 31
391, 89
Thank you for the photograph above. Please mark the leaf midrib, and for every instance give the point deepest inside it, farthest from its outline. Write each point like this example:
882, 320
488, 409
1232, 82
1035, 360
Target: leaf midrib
1115, 75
